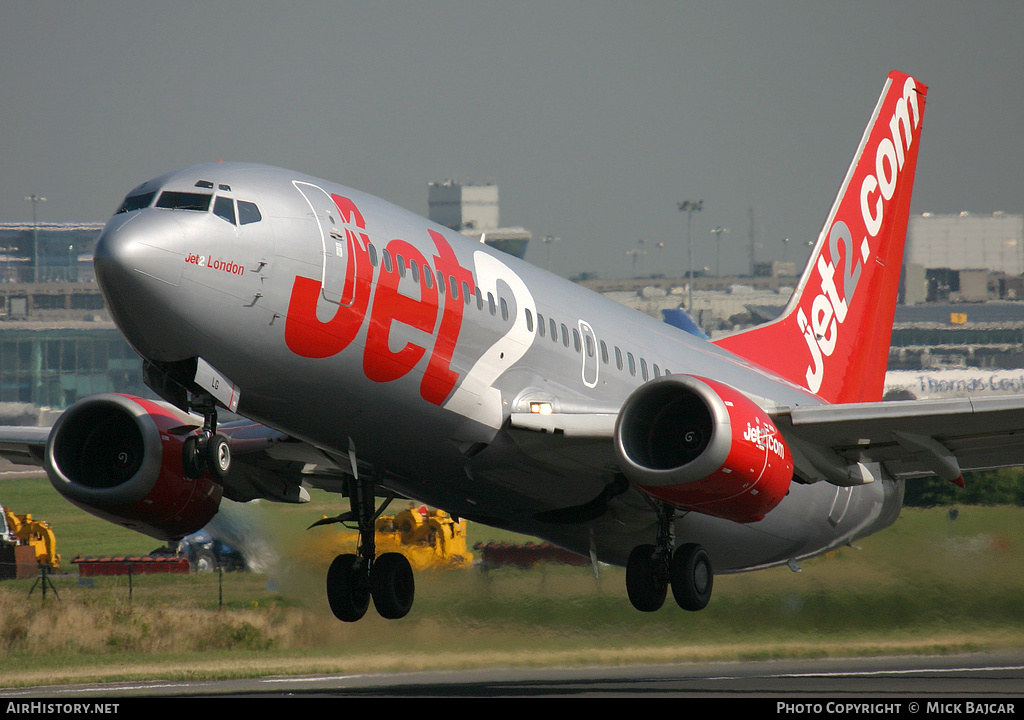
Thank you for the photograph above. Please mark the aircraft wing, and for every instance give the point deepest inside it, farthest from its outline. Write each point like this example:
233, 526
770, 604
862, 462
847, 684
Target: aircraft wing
265, 463
567, 434
23, 445
828, 442
911, 438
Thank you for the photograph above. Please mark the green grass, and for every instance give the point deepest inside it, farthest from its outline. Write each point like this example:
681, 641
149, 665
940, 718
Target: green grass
928, 584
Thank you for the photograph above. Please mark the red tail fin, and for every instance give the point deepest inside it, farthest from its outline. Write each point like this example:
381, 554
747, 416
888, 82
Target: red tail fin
833, 337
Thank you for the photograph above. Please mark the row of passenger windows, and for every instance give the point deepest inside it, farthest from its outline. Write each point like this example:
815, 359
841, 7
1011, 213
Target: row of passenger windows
445, 285
223, 207
586, 343
544, 327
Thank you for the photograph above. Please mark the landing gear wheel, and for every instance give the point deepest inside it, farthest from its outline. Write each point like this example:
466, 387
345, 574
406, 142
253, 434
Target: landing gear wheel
348, 588
692, 577
392, 585
218, 456
646, 583
193, 455
203, 562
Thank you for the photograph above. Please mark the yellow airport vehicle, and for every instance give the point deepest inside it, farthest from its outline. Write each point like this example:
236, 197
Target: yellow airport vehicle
22, 531
430, 539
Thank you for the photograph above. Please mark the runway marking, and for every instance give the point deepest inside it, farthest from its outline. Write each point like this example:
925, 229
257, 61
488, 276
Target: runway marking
859, 673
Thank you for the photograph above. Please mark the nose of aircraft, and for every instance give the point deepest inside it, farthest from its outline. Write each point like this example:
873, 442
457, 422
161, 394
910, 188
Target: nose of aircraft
144, 244
138, 263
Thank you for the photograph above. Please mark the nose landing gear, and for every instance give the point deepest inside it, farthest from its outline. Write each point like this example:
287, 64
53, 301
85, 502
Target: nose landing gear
207, 450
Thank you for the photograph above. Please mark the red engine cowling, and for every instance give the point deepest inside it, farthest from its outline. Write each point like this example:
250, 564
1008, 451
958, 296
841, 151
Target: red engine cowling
702, 445
116, 457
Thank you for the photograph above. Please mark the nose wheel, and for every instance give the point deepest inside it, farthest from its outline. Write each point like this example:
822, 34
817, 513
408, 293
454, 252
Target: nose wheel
207, 450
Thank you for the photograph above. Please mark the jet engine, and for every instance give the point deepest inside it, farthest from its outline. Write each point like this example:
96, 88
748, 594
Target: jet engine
120, 458
702, 445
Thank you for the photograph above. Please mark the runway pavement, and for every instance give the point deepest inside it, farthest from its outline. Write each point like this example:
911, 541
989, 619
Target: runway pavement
995, 679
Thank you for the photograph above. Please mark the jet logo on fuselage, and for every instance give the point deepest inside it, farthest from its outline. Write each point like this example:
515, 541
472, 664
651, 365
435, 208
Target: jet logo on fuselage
306, 335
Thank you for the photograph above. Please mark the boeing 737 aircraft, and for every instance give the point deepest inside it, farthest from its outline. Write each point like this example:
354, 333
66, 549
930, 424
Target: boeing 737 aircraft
376, 354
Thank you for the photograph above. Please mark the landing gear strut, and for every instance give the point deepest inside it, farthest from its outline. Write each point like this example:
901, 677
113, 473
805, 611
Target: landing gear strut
353, 579
651, 569
209, 449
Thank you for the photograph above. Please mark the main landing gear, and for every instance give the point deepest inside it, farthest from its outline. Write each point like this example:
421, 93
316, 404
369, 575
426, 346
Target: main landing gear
353, 579
209, 449
651, 569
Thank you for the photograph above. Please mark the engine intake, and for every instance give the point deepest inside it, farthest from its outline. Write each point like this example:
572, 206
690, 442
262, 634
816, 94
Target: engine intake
116, 457
702, 445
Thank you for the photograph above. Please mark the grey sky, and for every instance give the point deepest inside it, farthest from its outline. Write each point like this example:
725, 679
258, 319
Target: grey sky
594, 118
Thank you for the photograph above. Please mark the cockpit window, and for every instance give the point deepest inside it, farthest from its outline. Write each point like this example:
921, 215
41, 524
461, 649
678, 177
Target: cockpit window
136, 202
173, 200
248, 213
224, 207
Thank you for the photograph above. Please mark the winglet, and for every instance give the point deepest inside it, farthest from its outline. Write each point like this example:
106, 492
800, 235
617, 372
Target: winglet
833, 338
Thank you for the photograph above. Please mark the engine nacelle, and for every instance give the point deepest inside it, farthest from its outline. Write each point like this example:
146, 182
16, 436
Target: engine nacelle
702, 445
120, 458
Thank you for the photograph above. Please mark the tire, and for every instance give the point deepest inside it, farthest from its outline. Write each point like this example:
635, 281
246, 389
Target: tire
193, 456
203, 562
348, 588
692, 577
392, 585
218, 456
645, 586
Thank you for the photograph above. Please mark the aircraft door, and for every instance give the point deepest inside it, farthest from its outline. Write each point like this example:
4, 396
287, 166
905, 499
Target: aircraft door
337, 245
590, 361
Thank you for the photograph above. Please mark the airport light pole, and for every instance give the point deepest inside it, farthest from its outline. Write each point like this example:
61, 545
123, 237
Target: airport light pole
548, 241
718, 232
35, 231
637, 253
690, 207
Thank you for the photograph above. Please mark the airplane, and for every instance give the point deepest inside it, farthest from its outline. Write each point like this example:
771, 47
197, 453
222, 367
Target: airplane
364, 350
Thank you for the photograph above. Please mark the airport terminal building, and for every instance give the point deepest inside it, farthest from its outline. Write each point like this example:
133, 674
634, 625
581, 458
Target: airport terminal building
57, 341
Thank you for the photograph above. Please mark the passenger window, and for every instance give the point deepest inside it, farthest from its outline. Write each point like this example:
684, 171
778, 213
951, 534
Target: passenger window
370, 247
400, 262
386, 257
565, 335
589, 341
504, 309
632, 364
540, 324
490, 303
440, 282
224, 207
554, 329
618, 357
428, 277
529, 320
454, 285
576, 339
415, 267
465, 291
643, 368
657, 372
248, 213
604, 352
479, 299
